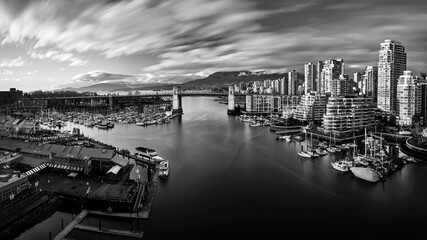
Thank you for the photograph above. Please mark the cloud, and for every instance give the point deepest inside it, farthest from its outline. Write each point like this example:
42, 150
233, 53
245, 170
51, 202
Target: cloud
145, 78
58, 56
189, 37
99, 76
16, 62
6, 72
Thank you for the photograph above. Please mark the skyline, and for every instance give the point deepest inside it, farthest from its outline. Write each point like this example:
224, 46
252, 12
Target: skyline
50, 44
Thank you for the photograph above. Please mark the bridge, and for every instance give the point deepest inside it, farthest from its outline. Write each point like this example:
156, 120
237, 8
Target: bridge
115, 101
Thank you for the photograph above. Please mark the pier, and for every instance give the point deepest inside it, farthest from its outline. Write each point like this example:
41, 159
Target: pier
77, 225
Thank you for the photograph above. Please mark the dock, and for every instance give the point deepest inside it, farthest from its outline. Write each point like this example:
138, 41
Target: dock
103, 232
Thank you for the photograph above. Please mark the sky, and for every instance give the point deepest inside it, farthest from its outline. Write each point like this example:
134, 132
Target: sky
50, 44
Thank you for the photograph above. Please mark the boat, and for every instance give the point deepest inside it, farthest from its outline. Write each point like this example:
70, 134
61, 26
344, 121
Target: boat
147, 150
365, 173
330, 149
102, 125
304, 154
321, 152
164, 169
255, 124
284, 137
110, 124
340, 166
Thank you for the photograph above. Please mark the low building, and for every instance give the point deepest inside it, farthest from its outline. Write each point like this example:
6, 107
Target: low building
12, 183
263, 104
348, 114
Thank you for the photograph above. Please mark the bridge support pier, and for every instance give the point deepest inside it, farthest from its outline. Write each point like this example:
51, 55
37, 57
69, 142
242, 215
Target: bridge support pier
176, 100
231, 109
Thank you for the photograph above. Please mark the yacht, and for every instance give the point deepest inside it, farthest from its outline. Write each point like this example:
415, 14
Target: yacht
284, 137
365, 173
330, 149
255, 124
340, 166
147, 150
304, 154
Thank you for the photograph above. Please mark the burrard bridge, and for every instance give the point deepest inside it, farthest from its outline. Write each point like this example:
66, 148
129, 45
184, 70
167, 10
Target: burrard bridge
170, 99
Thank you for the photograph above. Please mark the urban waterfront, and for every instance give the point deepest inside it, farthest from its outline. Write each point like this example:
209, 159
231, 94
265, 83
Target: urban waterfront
231, 180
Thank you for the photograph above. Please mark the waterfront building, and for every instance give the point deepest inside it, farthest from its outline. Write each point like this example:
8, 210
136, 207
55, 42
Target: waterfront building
12, 183
370, 83
408, 98
332, 69
293, 82
348, 114
311, 107
289, 104
263, 104
310, 71
391, 64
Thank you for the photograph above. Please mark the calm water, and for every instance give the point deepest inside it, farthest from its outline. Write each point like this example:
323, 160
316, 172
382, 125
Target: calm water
231, 180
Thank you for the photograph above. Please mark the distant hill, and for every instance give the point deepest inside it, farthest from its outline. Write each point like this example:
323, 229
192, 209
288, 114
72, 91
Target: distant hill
215, 80
223, 79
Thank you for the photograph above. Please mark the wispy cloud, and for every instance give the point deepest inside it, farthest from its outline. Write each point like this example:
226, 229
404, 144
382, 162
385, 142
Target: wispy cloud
190, 37
16, 62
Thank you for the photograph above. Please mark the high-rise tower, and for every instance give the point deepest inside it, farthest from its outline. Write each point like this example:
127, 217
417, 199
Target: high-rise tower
391, 64
310, 72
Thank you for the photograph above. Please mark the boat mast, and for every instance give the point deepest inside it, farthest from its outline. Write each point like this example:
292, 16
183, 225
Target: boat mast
365, 142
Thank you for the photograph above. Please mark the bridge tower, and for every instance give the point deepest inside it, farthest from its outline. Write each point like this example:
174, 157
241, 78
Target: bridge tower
176, 100
230, 98
232, 109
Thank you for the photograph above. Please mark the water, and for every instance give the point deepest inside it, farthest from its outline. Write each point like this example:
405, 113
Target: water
228, 180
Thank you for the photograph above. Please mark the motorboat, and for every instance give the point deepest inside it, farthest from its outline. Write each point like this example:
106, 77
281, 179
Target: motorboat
340, 166
147, 150
304, 154
255, 124
164, 169
330, 149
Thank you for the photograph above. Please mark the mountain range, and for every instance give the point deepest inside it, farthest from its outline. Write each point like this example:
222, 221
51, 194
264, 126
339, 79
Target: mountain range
215, 80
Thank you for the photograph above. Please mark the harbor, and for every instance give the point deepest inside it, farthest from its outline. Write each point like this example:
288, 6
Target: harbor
192, 197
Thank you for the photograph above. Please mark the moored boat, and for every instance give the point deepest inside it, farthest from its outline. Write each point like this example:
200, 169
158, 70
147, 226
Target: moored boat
164, 169
304, 154
365, 173
147, 150
340, 166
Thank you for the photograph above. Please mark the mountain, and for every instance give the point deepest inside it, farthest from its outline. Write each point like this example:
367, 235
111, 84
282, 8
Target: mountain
223, 79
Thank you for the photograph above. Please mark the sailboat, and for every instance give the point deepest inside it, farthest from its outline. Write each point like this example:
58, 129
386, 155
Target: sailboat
330, 148
312, 153
303, 153
366, 172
